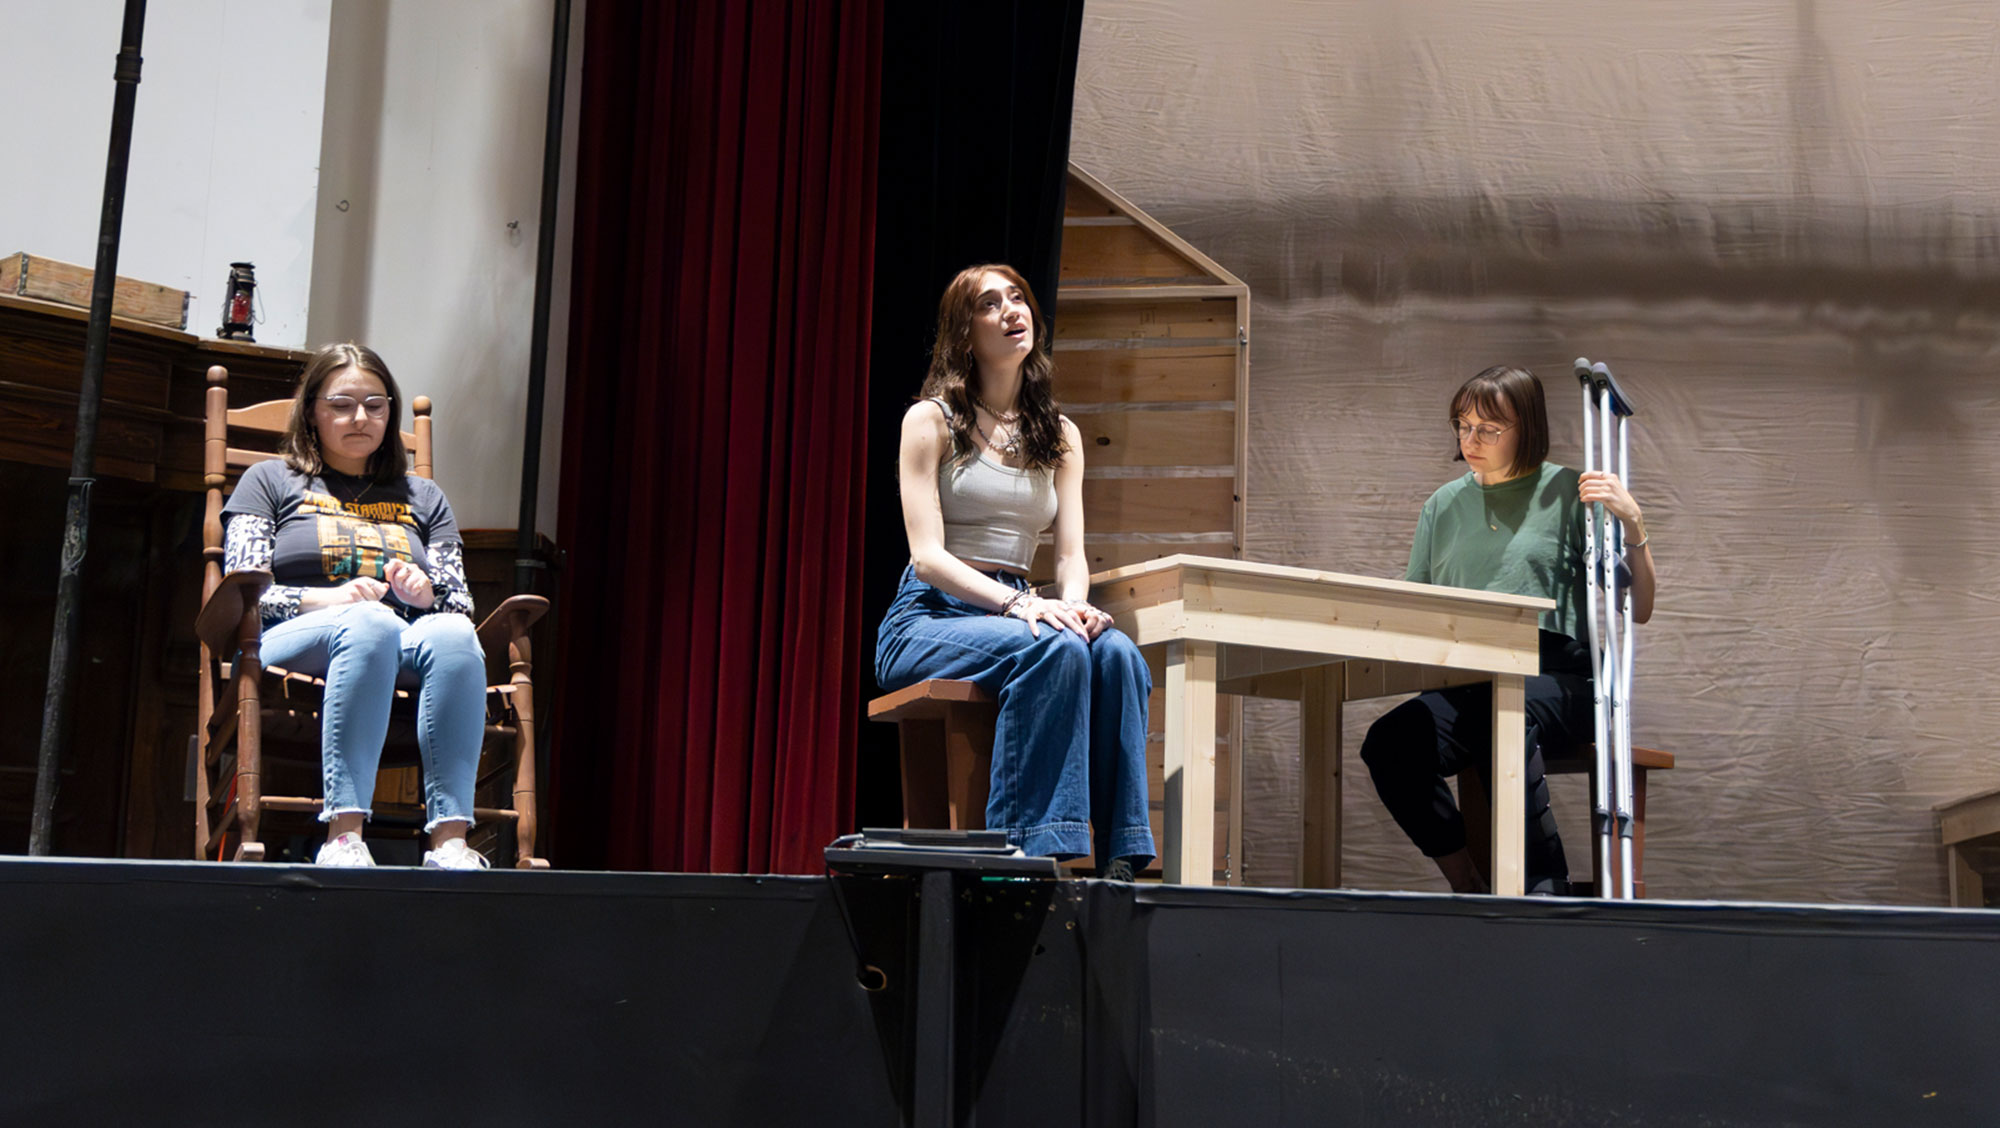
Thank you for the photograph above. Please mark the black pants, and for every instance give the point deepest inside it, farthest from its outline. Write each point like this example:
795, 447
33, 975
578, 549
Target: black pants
1416, 746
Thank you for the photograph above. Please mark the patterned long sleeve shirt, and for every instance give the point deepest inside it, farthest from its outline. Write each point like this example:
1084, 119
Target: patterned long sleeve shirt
324, 530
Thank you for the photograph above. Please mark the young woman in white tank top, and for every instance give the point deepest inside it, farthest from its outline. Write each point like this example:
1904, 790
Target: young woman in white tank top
986, 464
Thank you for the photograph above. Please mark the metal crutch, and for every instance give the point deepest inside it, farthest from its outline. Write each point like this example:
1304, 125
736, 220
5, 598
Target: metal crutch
1620, 579
1601, 796
1610, 646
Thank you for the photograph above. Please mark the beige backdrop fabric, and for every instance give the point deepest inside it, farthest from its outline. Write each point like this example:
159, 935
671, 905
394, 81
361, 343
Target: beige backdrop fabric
1777, 222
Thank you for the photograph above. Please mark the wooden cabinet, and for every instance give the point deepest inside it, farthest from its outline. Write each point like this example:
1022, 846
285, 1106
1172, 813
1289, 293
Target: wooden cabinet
121, 788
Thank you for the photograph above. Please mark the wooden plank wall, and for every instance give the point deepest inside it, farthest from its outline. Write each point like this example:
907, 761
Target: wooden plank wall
1150, 364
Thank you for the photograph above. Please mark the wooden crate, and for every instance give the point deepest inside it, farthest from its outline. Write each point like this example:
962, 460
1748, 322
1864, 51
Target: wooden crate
32, 276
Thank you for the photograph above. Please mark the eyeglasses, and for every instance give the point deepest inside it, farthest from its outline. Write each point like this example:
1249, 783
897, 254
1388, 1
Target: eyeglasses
377, 407
1486, 434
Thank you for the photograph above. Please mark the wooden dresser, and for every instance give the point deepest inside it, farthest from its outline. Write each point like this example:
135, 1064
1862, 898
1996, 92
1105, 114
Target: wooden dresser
122, 784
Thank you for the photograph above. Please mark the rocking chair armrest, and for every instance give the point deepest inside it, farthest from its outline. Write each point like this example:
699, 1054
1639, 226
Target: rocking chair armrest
222, 613
510, 621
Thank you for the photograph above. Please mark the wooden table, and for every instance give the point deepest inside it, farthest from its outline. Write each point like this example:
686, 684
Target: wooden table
1969, 827
1322, 638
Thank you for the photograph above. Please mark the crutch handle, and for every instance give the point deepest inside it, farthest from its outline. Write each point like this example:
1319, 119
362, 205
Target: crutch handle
1619, 404
1583, 371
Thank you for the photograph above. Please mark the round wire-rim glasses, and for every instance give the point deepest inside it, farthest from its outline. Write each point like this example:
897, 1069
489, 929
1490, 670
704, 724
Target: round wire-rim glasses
1485, 434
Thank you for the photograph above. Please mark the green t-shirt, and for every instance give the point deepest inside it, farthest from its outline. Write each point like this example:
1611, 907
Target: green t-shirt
1523, 537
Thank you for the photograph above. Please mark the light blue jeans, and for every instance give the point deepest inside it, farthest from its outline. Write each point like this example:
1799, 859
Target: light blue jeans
1069, 747
361, 649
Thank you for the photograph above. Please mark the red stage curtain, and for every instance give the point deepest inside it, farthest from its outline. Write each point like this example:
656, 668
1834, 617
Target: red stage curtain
712, 486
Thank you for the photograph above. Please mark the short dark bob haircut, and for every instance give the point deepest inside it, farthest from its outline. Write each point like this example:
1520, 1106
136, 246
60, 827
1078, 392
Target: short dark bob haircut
1512, 394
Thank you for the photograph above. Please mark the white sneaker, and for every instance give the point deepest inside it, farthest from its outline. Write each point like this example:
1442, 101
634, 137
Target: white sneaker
455, 855
345, 851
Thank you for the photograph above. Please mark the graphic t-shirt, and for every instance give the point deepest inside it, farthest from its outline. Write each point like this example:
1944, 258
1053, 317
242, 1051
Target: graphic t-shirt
324, 530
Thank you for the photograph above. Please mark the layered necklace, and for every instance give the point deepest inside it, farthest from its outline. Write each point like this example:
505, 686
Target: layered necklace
1002, 423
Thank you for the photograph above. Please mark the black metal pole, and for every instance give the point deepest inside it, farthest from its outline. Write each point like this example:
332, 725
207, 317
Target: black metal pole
76, 520
525, 562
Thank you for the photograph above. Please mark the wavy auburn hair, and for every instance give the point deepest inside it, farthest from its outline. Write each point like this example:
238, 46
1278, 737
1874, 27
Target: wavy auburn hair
300, 444
953, 374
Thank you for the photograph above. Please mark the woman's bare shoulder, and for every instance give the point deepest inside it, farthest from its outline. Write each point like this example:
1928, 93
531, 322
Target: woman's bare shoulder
926, 416
924, 428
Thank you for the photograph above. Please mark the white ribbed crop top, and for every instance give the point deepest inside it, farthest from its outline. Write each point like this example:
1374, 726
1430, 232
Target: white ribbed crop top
993, 514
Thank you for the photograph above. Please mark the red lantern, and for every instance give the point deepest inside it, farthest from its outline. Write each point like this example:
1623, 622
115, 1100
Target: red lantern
236, 312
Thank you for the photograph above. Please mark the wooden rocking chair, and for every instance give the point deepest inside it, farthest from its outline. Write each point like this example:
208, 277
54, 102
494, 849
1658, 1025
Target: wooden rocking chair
245, 707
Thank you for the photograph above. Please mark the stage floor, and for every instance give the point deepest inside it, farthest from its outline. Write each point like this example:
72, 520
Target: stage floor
177, 993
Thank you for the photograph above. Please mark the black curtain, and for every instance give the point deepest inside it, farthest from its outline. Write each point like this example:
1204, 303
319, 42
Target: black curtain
973, 160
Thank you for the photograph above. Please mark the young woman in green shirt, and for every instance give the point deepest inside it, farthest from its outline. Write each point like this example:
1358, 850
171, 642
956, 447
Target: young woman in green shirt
1514, 524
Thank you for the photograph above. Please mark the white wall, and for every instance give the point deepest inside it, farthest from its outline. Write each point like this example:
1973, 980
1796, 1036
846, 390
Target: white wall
225, 145
435, 116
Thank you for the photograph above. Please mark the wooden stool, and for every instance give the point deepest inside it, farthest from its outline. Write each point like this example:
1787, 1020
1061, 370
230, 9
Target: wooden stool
1967, 826
945, 729
1474, 803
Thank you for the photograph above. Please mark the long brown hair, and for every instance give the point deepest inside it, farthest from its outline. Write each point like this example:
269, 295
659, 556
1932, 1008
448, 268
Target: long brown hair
953, 372
1506, 392
300, 444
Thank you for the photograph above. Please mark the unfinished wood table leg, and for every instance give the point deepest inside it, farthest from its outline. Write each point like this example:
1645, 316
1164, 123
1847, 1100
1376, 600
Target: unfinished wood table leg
1968, 890
1187, 857
1232, 869
1321, 695
1509, 793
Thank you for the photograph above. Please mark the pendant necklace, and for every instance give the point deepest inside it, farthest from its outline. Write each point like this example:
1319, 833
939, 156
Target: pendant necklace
1012, 446
356, 499
1008, 449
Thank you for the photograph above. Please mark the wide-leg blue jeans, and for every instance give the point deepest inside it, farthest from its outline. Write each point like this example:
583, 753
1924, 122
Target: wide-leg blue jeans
1069, 747
361, 649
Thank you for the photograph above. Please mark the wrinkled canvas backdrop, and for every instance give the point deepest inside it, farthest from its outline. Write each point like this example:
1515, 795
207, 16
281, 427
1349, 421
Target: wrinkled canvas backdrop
1780, 223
